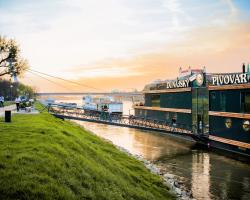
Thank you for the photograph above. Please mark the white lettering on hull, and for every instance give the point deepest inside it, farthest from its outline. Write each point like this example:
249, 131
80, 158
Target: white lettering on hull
229, 79
178, 84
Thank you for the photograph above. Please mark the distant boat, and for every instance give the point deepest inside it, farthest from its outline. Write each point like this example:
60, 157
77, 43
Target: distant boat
48, 101
104, 104
68, 105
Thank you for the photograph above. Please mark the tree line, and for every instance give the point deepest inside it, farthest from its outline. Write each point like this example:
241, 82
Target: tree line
12, 90
12, 65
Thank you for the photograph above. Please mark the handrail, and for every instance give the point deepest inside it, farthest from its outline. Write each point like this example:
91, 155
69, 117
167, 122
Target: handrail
127, 120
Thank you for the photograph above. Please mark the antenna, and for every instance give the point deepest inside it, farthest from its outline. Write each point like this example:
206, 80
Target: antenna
244, 68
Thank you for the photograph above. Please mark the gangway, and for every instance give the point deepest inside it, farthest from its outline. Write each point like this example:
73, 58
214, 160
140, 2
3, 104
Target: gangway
77, 113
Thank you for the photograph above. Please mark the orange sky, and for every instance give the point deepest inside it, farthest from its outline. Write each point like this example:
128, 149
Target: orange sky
117, 44
220, 49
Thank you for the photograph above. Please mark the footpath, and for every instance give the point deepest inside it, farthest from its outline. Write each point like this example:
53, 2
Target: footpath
11, 107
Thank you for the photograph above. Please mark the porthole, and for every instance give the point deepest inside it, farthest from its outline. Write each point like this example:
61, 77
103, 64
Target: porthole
228, 123
246, 125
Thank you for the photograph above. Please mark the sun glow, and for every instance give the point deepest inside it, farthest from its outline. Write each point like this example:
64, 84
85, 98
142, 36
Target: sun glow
119, 40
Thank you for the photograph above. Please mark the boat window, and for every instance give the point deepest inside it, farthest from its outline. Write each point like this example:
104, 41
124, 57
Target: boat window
218, 101
245, 102
228, 123
174, 120
155, 100
167, 115
246, 125
222, 101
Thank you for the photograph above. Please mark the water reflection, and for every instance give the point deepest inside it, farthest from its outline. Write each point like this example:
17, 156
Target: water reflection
208, 175
200, 175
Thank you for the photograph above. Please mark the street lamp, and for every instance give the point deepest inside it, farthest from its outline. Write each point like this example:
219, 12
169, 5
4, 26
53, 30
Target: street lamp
11, 86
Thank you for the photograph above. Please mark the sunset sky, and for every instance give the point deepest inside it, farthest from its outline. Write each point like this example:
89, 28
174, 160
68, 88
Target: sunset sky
124, 44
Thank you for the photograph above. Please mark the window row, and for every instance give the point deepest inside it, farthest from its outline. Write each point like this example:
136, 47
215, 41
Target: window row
230, 101
169, 100
245, 124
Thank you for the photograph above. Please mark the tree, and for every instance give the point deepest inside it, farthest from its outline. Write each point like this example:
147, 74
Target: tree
11, 63
12, 90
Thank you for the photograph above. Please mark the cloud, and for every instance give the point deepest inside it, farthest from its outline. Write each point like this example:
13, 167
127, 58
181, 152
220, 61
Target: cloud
233, 9
221, 50
117, 40
57, 34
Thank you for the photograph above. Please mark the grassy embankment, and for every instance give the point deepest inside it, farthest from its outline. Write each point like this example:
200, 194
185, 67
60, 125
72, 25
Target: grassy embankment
42, 157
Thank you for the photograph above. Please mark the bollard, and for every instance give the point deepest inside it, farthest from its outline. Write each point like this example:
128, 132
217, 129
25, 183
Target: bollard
7, 116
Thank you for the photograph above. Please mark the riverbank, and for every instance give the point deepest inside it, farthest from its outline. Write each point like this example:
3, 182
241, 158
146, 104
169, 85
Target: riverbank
172, 181
47, 158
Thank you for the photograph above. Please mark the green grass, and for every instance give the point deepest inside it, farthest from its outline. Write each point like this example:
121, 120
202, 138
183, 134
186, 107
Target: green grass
42, 157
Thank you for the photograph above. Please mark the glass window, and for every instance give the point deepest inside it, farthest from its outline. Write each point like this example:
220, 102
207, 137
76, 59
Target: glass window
218, 101
213, 100
174, 119
228, 123
246, 125
194, 109
155, 100
200, 108
245, 102
222, 101
167, 116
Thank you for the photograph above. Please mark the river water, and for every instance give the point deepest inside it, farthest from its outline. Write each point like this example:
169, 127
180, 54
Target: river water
209, 175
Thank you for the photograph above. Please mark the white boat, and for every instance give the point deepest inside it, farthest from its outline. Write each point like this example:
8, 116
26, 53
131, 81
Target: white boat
48, 101
103, 104
67, 105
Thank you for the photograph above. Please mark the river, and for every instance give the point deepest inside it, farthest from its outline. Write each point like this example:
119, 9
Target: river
209, 175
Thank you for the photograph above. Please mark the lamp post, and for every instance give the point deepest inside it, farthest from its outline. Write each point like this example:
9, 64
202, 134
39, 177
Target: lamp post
11, 86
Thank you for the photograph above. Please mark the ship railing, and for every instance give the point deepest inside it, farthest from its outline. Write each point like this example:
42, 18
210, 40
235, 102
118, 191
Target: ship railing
124, 119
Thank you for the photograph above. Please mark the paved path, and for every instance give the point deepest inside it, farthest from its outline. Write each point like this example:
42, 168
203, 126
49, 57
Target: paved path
11, 107
13, 110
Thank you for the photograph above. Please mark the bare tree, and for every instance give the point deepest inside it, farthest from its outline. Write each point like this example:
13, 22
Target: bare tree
11, 63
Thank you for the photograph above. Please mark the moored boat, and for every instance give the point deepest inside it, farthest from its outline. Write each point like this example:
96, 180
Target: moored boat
212, 106
105, 104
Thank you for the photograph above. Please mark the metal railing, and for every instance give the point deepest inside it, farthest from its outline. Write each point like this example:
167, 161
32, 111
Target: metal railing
78, 113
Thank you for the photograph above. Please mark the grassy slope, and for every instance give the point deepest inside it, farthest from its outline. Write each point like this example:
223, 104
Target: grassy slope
42, 157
